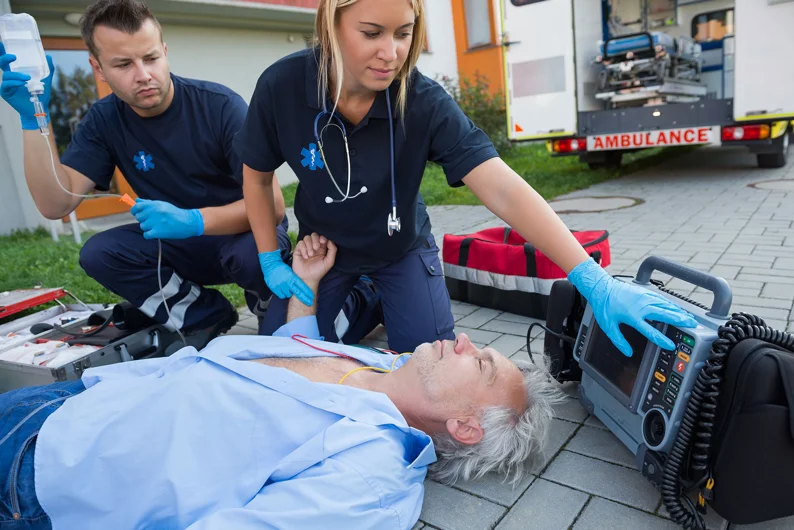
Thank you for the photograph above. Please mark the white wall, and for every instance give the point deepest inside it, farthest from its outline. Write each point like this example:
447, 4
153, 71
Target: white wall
442, 60
17, 210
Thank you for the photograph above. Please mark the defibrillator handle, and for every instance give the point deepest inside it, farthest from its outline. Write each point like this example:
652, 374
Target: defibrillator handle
718, 286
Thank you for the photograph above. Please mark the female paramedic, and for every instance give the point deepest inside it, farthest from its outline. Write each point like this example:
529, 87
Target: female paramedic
357, 123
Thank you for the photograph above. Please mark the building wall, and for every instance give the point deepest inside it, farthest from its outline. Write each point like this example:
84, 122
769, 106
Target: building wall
17, 210
441, 58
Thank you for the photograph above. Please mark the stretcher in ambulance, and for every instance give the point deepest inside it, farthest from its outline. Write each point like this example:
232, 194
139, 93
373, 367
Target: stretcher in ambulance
598, 78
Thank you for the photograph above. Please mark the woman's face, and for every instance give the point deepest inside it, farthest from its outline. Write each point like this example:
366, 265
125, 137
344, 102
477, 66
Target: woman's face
374, 37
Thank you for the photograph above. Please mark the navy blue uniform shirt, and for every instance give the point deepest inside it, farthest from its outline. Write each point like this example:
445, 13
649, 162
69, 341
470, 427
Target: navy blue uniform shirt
279, 128
184, 156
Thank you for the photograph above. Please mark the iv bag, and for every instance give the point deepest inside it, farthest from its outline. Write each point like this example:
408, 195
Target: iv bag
20, 36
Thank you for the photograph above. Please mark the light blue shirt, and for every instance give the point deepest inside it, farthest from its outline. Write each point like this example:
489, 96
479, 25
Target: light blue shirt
205, 440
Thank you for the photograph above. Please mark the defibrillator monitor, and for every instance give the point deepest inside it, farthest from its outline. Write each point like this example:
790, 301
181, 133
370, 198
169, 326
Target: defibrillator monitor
641, 398
616, 371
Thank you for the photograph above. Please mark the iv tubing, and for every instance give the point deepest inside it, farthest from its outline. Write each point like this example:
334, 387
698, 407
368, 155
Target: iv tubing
45, 135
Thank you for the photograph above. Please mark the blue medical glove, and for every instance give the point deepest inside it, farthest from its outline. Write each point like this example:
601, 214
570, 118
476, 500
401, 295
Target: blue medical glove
615, 302
14, 91
162, 220
280, 278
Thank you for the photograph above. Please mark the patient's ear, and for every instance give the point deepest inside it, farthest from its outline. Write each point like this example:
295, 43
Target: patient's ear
465, 430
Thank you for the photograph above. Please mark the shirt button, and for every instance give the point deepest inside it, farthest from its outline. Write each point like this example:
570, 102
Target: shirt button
352, 152
432, 268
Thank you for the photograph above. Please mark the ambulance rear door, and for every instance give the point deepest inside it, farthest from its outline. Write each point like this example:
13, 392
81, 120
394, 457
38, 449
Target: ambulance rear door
539, 66
764, 69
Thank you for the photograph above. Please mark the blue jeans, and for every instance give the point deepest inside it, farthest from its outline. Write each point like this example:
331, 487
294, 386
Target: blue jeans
22, 413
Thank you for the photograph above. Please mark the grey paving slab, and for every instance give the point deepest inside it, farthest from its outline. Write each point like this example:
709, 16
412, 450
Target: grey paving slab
478, 318
545, 505
507, 345
451, 509
494, 488
606, 480
601, 444
570, 410
503, 326
601, 514
778, 290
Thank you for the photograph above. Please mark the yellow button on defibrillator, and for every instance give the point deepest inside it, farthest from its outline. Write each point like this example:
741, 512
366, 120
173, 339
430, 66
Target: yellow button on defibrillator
660, 377
683, 356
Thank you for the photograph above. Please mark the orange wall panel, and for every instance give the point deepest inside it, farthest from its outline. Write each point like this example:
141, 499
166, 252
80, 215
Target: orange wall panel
486, 61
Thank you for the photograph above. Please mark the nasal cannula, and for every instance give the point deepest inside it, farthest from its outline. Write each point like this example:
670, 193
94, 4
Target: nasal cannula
41, 119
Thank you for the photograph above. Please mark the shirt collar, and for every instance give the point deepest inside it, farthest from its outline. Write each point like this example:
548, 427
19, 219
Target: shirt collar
359, 405
379, 108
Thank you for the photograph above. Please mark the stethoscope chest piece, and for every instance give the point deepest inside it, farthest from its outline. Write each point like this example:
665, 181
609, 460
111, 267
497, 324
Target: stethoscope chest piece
393, 223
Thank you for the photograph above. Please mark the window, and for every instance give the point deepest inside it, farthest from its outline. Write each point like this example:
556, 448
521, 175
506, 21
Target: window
713, 26
478, 23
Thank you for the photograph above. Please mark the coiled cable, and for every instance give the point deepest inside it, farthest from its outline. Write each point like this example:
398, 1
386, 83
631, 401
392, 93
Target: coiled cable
697, 424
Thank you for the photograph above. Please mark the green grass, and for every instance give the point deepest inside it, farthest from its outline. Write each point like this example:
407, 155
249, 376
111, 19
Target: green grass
549, 176
31, 258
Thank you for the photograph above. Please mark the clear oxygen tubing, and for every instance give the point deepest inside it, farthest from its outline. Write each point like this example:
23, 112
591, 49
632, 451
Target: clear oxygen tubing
41, 118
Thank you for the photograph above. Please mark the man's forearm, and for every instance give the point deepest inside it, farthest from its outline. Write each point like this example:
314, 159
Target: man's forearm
297, 309
225, 220
50, 199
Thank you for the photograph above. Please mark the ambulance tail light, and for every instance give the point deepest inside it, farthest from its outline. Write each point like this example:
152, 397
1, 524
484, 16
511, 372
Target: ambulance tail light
570, 145
746, 132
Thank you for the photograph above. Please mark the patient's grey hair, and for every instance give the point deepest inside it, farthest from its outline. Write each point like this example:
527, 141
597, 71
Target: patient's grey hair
512, 444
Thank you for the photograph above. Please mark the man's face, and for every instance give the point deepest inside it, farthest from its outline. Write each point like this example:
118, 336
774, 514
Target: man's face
460, 378
134, 66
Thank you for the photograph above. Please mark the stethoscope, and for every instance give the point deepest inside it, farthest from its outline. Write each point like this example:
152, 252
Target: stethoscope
393, 222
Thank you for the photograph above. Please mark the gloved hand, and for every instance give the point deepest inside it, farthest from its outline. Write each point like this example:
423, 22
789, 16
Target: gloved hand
14, 91
615, 302
162, 220
280, 278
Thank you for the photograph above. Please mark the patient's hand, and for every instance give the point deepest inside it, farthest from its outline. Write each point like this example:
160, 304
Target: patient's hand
313, 258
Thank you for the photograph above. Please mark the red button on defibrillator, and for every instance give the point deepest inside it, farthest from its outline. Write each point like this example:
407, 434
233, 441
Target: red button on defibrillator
680, 366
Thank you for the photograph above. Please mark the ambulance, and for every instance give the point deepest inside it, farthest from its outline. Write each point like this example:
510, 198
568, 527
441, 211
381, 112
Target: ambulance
599, 78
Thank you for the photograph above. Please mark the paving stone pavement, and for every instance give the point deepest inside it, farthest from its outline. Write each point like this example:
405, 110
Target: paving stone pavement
698, 210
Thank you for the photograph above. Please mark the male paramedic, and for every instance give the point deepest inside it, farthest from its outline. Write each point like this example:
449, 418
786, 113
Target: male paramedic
284, 431
171, 138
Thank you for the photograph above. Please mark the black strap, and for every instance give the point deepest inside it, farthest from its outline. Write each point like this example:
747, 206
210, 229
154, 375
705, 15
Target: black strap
507, 234
463, 258
532, 266
596, 255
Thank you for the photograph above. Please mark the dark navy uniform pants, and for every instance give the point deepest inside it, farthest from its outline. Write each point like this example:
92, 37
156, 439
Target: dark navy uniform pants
122, 261
414, 299
125, 263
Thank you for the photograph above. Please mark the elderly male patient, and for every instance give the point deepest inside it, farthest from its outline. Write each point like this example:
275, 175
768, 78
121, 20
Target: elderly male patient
259, 432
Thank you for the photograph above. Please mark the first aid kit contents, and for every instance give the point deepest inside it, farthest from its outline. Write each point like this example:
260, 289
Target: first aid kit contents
16, 335
499, 269
714, 415
59, 343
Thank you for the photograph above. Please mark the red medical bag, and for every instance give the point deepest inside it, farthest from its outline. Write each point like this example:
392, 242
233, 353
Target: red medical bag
497, 268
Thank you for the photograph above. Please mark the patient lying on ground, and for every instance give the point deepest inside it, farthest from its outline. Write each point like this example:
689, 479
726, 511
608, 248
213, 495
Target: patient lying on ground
269, 432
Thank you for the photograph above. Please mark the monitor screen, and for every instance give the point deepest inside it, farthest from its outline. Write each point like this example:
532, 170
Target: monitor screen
610, 362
